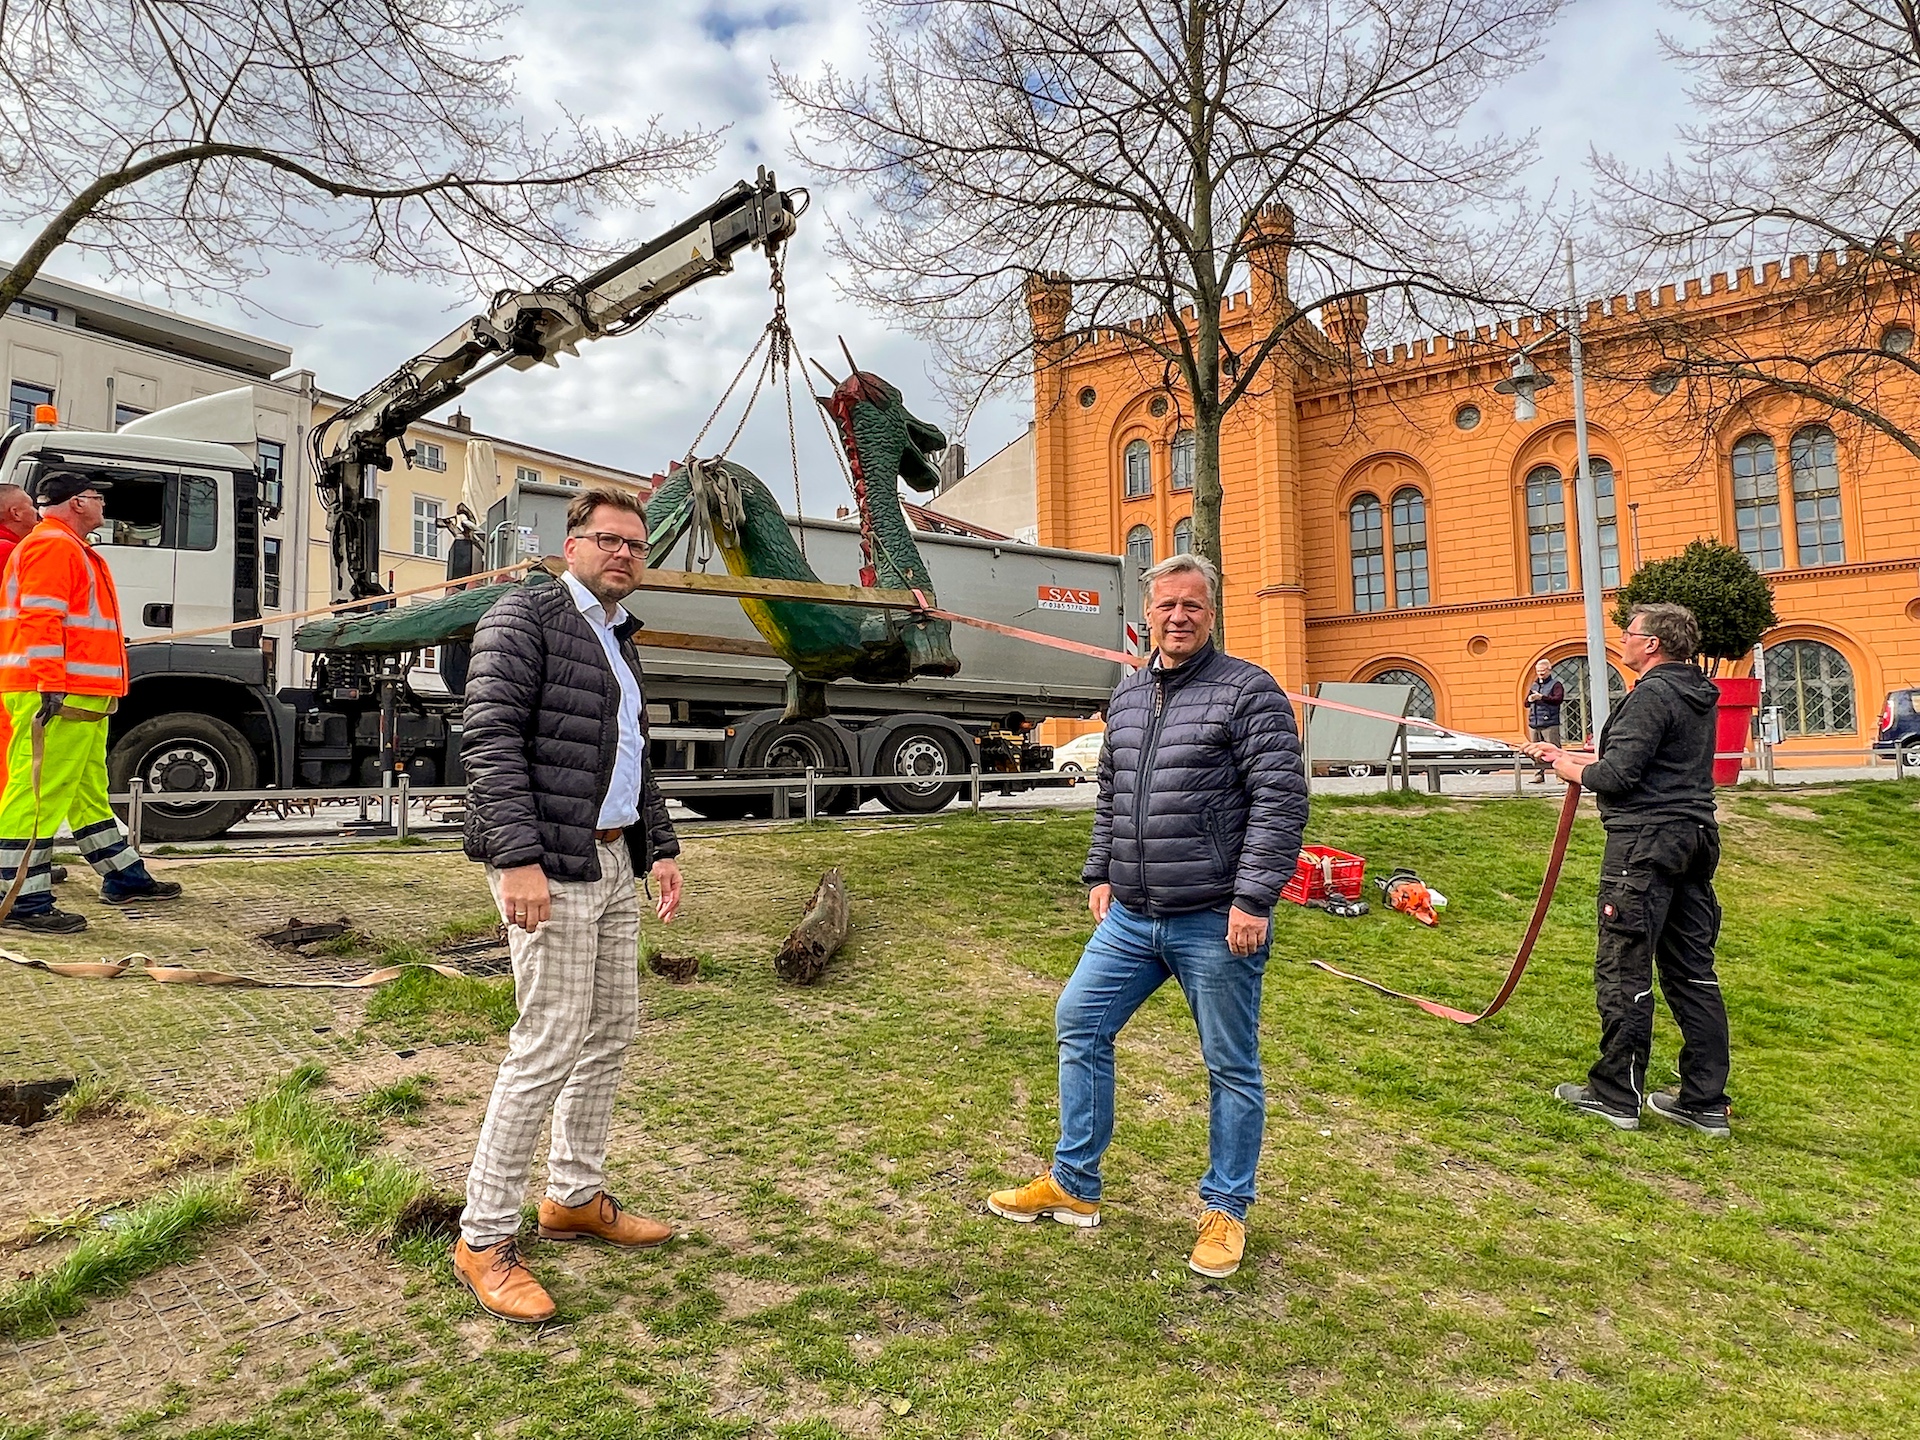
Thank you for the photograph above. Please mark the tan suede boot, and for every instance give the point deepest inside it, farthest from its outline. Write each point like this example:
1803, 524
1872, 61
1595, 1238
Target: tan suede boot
1222, 1243
501, 1282
602, 1219
1043, 1196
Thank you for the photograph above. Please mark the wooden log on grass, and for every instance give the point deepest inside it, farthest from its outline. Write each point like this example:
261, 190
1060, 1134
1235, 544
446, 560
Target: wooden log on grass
821, 931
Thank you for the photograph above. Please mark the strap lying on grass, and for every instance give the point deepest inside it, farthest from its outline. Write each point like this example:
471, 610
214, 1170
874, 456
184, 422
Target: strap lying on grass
1547, 885
183, 975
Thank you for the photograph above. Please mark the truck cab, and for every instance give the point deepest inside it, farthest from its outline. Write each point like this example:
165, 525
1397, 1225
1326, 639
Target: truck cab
182, 538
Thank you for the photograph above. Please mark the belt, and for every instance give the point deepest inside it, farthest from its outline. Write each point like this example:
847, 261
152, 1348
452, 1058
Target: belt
607, 837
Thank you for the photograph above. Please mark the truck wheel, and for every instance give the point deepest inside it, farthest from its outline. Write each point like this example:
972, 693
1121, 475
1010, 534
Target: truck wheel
917, 750
794, 746
172, 754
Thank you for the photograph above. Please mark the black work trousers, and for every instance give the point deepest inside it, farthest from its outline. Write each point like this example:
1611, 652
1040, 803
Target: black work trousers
1657, 907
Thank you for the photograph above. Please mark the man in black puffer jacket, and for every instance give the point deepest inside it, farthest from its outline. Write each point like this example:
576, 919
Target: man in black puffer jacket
563, 810
1653, 780
1203, 800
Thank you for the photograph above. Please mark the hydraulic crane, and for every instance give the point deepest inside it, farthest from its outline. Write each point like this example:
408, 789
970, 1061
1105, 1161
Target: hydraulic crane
521, 329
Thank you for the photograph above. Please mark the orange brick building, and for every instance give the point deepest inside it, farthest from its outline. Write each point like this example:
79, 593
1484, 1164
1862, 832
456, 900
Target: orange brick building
1395, 517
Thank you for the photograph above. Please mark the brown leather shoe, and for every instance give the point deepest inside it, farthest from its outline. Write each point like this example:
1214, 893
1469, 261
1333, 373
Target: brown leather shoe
501, 1282
602, 1219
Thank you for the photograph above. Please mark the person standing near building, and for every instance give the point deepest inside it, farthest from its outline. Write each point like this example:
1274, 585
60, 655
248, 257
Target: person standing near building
1653, 779
565, 813
63, 667
17, 519
1545, 698
1201, 807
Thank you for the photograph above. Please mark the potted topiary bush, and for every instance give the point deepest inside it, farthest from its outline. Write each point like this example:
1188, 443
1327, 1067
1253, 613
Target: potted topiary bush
1734, 604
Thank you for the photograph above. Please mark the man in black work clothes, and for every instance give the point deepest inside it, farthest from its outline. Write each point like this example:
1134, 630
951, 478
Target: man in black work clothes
1653, 779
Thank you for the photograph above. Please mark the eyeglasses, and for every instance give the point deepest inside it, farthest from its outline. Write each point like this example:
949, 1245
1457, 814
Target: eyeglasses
1639, 634
613, 544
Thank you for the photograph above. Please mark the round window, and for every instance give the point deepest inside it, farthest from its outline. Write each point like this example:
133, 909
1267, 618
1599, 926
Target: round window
1157, 406
1896, 339
1087, 397
1467, 416
1663, 382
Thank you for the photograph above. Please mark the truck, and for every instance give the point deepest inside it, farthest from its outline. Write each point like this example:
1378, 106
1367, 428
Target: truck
202, 715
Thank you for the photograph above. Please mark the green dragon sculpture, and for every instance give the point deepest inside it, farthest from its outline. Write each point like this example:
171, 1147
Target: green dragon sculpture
885, 443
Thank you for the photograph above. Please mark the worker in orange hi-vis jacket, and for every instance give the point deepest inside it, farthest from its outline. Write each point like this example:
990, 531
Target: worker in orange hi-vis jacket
63, 667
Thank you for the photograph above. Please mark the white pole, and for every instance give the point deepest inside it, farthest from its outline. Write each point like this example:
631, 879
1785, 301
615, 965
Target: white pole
1587, 521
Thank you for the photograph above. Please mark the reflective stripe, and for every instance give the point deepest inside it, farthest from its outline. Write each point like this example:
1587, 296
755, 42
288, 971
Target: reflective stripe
45, 652
43, 602
105, 672
89, 622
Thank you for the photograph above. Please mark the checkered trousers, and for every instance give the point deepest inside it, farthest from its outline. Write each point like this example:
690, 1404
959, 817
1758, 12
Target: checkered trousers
576, 980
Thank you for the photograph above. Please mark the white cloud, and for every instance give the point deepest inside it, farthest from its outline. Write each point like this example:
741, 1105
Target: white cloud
638, 401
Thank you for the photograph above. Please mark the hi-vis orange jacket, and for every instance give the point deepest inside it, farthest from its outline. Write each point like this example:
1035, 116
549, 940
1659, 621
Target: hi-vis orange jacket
60, 618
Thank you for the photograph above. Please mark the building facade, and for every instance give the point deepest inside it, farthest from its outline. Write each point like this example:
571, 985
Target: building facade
1393, 519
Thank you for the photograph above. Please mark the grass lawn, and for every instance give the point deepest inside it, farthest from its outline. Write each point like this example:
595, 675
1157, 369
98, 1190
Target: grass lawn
1438, 1249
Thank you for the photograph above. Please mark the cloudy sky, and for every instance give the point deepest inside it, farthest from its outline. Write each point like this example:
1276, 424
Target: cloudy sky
638, 401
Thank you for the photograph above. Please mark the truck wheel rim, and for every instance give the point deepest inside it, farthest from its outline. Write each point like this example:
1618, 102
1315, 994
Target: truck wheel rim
921, 755
168, 769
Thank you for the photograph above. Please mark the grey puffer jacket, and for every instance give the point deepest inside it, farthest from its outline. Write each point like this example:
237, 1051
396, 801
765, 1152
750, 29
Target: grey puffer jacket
1203, 797
542, 729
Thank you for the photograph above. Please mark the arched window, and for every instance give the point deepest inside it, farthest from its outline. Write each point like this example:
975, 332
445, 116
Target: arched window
1183, 536
1813, 686
1365, 542
1139, 469
1420, 702
1606, 509
1409, 548
1815, 461
1756, 503
1140, 548
1546, 531
1576, 716
1183, 460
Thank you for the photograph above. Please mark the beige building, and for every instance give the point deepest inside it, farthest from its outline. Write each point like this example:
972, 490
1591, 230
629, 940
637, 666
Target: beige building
997, 494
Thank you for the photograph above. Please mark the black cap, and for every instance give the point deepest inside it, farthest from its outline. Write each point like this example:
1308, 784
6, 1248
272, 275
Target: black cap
62, 485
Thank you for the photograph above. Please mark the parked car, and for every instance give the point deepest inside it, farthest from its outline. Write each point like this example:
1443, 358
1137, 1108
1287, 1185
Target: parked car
1425, 746
1900, 727
1079, 756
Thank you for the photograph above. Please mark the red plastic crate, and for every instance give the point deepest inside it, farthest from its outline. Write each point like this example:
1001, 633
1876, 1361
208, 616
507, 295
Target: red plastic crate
1309, 880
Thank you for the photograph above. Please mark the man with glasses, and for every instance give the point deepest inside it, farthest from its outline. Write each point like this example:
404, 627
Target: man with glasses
563, 810
1653, 780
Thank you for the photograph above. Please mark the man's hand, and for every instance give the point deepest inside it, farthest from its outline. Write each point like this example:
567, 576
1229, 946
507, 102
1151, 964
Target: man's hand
1245, 933
50, 703
1099, 901
525, 899
666, 875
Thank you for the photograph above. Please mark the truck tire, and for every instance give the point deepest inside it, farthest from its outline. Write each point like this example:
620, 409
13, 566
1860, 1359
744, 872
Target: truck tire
176, 753
917, 750
794, 745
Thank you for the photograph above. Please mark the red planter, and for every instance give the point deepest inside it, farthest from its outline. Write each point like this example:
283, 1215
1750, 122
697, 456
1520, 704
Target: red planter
1739, 697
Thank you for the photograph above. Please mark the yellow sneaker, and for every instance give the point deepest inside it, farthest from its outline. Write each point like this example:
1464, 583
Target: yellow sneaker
1044, 1197
1223, 1240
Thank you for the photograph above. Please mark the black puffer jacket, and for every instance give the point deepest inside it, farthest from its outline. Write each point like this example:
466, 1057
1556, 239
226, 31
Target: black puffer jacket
1656, 751
1203, 798
542, 729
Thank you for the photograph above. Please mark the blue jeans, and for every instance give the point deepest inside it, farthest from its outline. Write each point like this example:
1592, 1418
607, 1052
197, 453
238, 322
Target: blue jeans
1129, 957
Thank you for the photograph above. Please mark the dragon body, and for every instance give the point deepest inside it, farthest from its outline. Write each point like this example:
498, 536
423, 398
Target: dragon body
885, 444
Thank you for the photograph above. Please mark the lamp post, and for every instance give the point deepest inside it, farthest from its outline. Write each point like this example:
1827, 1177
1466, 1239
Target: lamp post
1523, 381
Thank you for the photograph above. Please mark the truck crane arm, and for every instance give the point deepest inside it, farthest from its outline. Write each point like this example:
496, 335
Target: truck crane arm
524, 328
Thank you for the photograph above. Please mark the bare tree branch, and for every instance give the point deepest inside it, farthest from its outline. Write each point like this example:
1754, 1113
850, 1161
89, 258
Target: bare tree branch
185, 141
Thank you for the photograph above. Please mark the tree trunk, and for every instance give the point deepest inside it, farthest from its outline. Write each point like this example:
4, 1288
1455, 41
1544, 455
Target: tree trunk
822, 931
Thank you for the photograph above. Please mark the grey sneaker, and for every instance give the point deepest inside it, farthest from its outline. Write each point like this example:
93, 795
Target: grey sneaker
1667, 1106
1581, 1098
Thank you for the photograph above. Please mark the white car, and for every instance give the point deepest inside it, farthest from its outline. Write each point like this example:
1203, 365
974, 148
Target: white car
1080, 756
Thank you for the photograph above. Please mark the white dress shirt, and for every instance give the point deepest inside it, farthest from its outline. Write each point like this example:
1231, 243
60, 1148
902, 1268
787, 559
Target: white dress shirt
622, 805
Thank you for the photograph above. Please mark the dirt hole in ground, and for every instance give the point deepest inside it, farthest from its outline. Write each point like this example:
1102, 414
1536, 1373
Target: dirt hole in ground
28, 1102
435, 1215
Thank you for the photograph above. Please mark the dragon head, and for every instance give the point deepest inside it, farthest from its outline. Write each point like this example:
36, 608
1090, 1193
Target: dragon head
873, 418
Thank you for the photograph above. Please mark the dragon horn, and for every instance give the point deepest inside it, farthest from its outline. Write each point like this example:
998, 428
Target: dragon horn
852, 368
824, 371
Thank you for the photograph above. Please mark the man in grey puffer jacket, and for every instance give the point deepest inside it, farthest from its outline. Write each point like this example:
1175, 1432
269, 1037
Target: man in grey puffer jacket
1203, 800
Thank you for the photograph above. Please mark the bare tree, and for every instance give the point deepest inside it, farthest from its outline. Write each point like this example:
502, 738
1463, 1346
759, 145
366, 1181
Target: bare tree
1810, 143
184, 141
1146, 156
